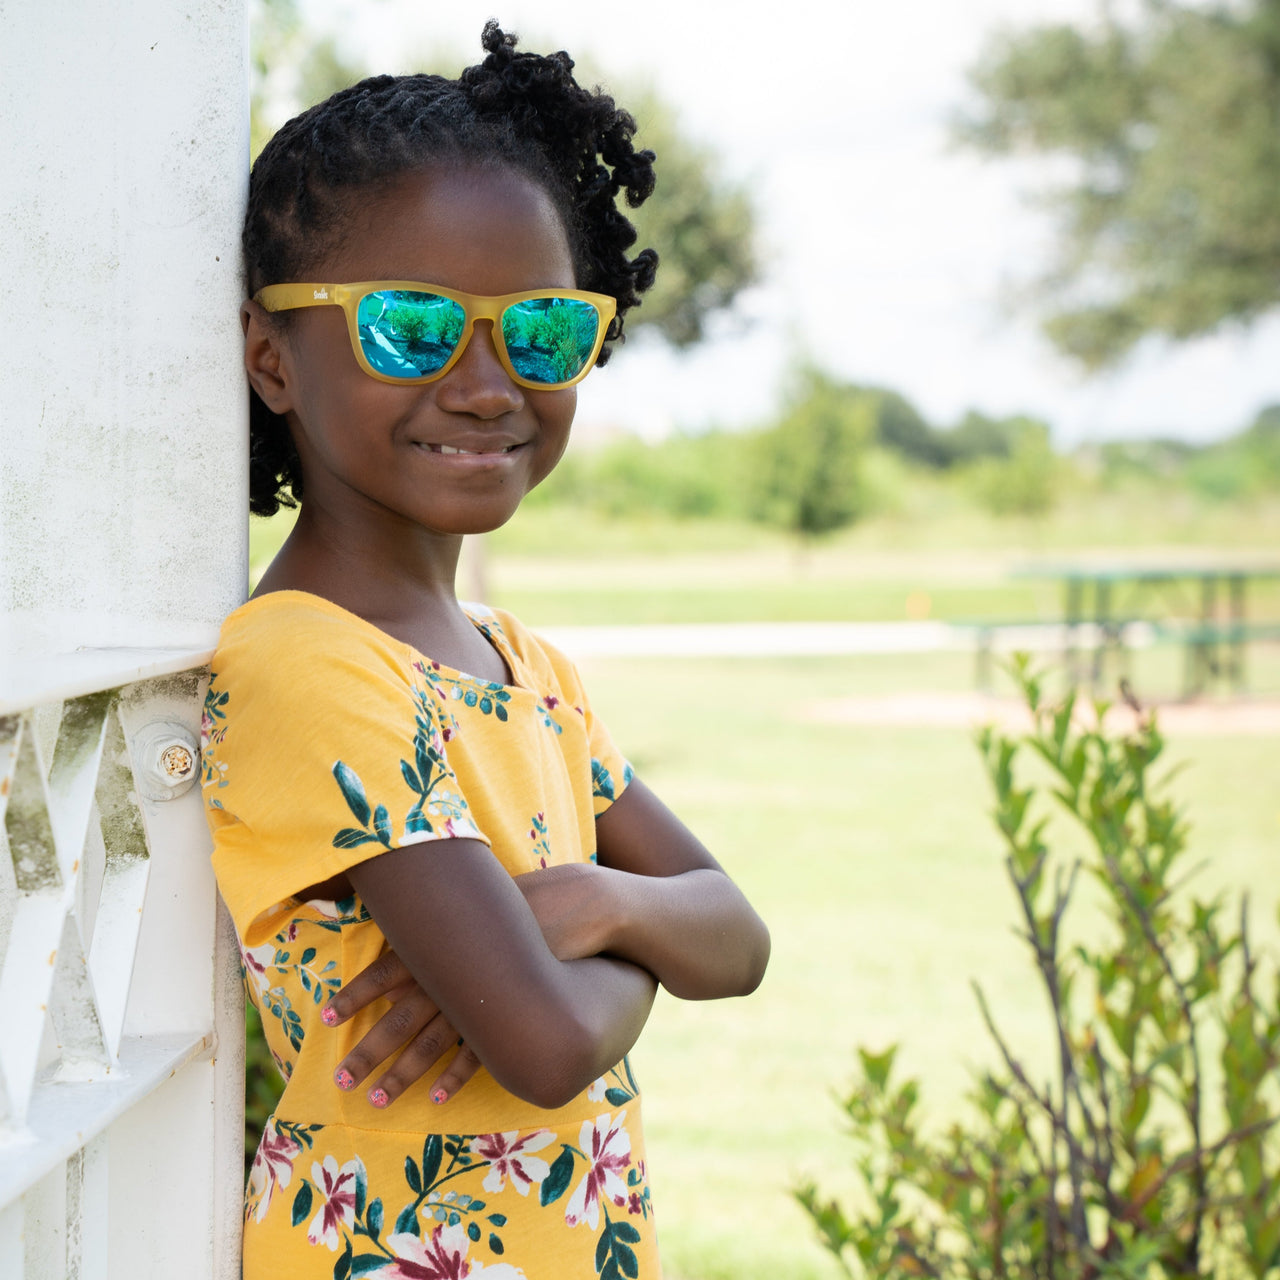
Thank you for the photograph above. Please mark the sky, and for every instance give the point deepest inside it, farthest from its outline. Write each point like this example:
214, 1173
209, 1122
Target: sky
890, 257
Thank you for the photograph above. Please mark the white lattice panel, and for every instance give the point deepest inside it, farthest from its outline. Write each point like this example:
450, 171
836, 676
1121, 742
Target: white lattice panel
113, 963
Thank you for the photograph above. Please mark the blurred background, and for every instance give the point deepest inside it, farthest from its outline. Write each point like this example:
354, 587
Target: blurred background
966, 327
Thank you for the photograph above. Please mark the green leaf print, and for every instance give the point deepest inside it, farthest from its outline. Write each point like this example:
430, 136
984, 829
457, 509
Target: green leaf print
601, 780
410, 777
350, 838
352, 791
411, 1176
342, 1268
556, 1182
432, 1150
374, 1218
382, 825
617, 1097
407, 1220
302, 1204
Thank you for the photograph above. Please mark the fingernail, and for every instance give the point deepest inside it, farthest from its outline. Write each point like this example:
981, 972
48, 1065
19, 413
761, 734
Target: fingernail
378, 1097
438, 1096
329, 1016
344, 1079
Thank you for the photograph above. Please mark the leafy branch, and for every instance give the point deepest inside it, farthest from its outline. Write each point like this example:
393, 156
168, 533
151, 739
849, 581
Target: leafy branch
1141, 1158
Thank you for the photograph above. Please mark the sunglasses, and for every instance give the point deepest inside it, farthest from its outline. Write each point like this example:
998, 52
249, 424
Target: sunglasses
406, 332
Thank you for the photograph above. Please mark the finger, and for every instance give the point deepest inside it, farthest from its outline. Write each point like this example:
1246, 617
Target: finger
385, 977
461, 1068
426, 1049
396, 1028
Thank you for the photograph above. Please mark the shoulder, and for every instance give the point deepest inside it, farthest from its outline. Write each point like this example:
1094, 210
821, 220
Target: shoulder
291, 633
295, 657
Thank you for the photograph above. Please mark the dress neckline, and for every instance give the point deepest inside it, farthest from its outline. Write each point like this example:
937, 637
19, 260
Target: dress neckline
482, 617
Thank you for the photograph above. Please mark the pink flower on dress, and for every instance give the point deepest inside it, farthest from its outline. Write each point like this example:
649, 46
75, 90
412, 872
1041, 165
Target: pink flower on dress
441, 1256
272, 1166
551, 702
607, 1145
510, 1157
336, 1188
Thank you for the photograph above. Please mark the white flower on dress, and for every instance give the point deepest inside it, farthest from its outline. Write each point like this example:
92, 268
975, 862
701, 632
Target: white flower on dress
607, 1145
272, 1167
441, 1256
336, 1188
595, 1090
510, 1157
255, 961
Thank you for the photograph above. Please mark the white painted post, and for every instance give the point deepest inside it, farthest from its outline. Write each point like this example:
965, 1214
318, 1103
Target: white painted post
123, 476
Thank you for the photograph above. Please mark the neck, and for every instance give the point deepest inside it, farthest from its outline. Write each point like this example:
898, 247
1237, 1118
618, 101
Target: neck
386, 571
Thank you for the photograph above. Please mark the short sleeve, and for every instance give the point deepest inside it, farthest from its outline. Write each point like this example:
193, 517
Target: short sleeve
323, 745
611, 773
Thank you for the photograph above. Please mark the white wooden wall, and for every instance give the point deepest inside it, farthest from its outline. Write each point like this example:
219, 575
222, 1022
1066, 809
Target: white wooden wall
124, 142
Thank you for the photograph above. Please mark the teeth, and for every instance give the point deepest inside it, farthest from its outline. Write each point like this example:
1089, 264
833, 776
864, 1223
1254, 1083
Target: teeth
472, 453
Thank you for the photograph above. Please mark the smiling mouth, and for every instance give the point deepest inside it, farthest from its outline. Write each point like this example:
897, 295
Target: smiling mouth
471, 453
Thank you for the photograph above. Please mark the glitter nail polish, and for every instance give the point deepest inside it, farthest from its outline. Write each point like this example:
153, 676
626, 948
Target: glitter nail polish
344, 1079
378, 1097
438, 1096
329, 1016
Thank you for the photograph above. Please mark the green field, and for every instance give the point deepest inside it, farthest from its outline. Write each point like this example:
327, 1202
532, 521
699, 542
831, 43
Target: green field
870, 854
867, 849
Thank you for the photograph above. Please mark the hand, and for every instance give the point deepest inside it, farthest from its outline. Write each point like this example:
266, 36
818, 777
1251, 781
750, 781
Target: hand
413, 1021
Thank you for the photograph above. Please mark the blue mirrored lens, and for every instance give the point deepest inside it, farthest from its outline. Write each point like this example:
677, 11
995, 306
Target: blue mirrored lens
550, 340
405, 334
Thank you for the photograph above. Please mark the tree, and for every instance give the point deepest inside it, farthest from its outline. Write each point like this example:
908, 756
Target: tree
808, 473
701, 223
1170, 222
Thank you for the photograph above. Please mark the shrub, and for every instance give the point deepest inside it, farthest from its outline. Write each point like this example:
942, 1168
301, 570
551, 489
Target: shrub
1153, 1152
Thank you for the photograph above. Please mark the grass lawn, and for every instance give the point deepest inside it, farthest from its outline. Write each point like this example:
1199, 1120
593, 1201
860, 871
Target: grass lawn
868, 850
870, 854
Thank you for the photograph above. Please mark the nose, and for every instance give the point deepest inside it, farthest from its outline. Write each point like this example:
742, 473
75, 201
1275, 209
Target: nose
478, 384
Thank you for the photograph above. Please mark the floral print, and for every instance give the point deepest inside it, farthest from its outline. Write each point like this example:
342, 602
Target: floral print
336, 1189
339, 1190
442, 1230
428, 777
605, 1144
442, 1256
510, 1157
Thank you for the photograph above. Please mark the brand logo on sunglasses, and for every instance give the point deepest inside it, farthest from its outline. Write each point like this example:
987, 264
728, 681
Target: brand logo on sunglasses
320, 294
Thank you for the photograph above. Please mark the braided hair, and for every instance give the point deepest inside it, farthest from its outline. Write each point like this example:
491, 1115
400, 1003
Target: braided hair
521, 111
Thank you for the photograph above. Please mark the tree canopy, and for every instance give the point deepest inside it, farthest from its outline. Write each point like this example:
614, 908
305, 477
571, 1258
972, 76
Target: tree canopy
1170, 122
701, 223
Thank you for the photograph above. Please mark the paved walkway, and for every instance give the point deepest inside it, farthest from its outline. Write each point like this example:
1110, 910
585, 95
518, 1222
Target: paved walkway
792, 639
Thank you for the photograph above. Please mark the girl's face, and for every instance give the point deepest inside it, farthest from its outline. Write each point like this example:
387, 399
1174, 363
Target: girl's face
371, 451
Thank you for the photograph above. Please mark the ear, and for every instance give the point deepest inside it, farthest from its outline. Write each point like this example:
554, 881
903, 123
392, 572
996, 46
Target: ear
264, 358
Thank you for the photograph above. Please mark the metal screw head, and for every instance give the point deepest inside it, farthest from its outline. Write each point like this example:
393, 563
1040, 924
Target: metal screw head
166, 760
177, 763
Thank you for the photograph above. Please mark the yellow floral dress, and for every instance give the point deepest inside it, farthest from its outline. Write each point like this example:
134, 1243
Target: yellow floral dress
326, 741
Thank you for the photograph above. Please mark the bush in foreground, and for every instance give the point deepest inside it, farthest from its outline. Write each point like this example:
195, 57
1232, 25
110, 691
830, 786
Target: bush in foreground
1153, 1152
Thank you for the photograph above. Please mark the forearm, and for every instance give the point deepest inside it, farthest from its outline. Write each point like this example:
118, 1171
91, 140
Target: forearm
544, 1027
695, 932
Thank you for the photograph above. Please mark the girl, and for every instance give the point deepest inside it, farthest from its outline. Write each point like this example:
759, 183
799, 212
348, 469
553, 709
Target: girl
433, 265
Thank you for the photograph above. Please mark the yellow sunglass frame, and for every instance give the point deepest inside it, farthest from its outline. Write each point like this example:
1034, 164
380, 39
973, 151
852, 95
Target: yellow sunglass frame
291, 297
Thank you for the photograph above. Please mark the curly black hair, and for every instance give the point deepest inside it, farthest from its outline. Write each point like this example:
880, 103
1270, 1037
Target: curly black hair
514, 110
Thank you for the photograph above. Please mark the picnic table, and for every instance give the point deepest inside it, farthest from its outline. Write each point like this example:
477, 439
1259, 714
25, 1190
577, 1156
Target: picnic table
1203, 605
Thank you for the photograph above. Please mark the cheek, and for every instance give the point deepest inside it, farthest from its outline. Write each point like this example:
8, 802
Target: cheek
557, 419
